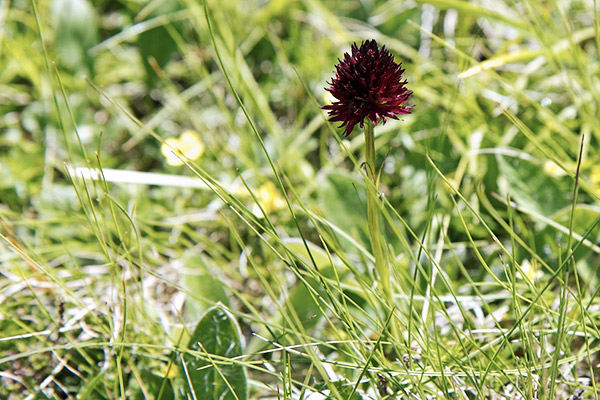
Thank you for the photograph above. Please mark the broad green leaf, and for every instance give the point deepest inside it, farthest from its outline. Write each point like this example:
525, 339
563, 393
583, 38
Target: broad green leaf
584, 218
76, 32
157, 44
154, 385
301, 301
216, 336
343, 203
320, 257
206, 289
300, 298
344, 389
530, 187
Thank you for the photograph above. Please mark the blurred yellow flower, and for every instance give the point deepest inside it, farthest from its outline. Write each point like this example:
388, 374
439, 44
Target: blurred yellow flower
328, 98
595, 177
552, 169
531, 269
188, 145
269, 198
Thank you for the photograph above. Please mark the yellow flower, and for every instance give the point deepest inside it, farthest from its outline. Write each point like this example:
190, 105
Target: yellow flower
595, 177
552, 169
188, 146
531, 269
269, 198
328, 98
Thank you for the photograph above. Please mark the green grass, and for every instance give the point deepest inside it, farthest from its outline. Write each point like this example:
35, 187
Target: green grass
249, 272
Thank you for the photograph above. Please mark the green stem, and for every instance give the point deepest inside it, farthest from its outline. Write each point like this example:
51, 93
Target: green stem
381, 265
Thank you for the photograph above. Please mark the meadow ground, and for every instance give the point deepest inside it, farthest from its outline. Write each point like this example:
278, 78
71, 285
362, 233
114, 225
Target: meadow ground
178, 219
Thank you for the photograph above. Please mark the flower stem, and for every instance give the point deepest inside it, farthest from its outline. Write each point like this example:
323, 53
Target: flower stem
381, 265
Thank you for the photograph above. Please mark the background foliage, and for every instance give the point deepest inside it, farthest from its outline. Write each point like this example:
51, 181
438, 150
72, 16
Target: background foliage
123, 290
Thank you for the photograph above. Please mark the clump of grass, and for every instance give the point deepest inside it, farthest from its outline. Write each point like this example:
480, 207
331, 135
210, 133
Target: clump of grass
123, 273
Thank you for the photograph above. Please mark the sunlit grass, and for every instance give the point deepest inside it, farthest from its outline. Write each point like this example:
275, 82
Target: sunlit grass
117, 233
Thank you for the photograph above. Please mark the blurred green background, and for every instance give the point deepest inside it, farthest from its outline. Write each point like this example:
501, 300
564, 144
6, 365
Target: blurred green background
506, 99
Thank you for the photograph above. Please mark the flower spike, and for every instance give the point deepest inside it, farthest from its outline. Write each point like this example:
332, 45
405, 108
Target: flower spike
367, 84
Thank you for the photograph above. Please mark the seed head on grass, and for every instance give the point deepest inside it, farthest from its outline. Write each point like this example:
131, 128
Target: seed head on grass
367, 84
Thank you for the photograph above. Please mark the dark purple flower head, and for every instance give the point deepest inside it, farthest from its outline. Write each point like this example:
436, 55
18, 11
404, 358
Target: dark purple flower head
367, 84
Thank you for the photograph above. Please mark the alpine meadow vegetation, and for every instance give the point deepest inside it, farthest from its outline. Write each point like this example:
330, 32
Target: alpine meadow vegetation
299, 200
